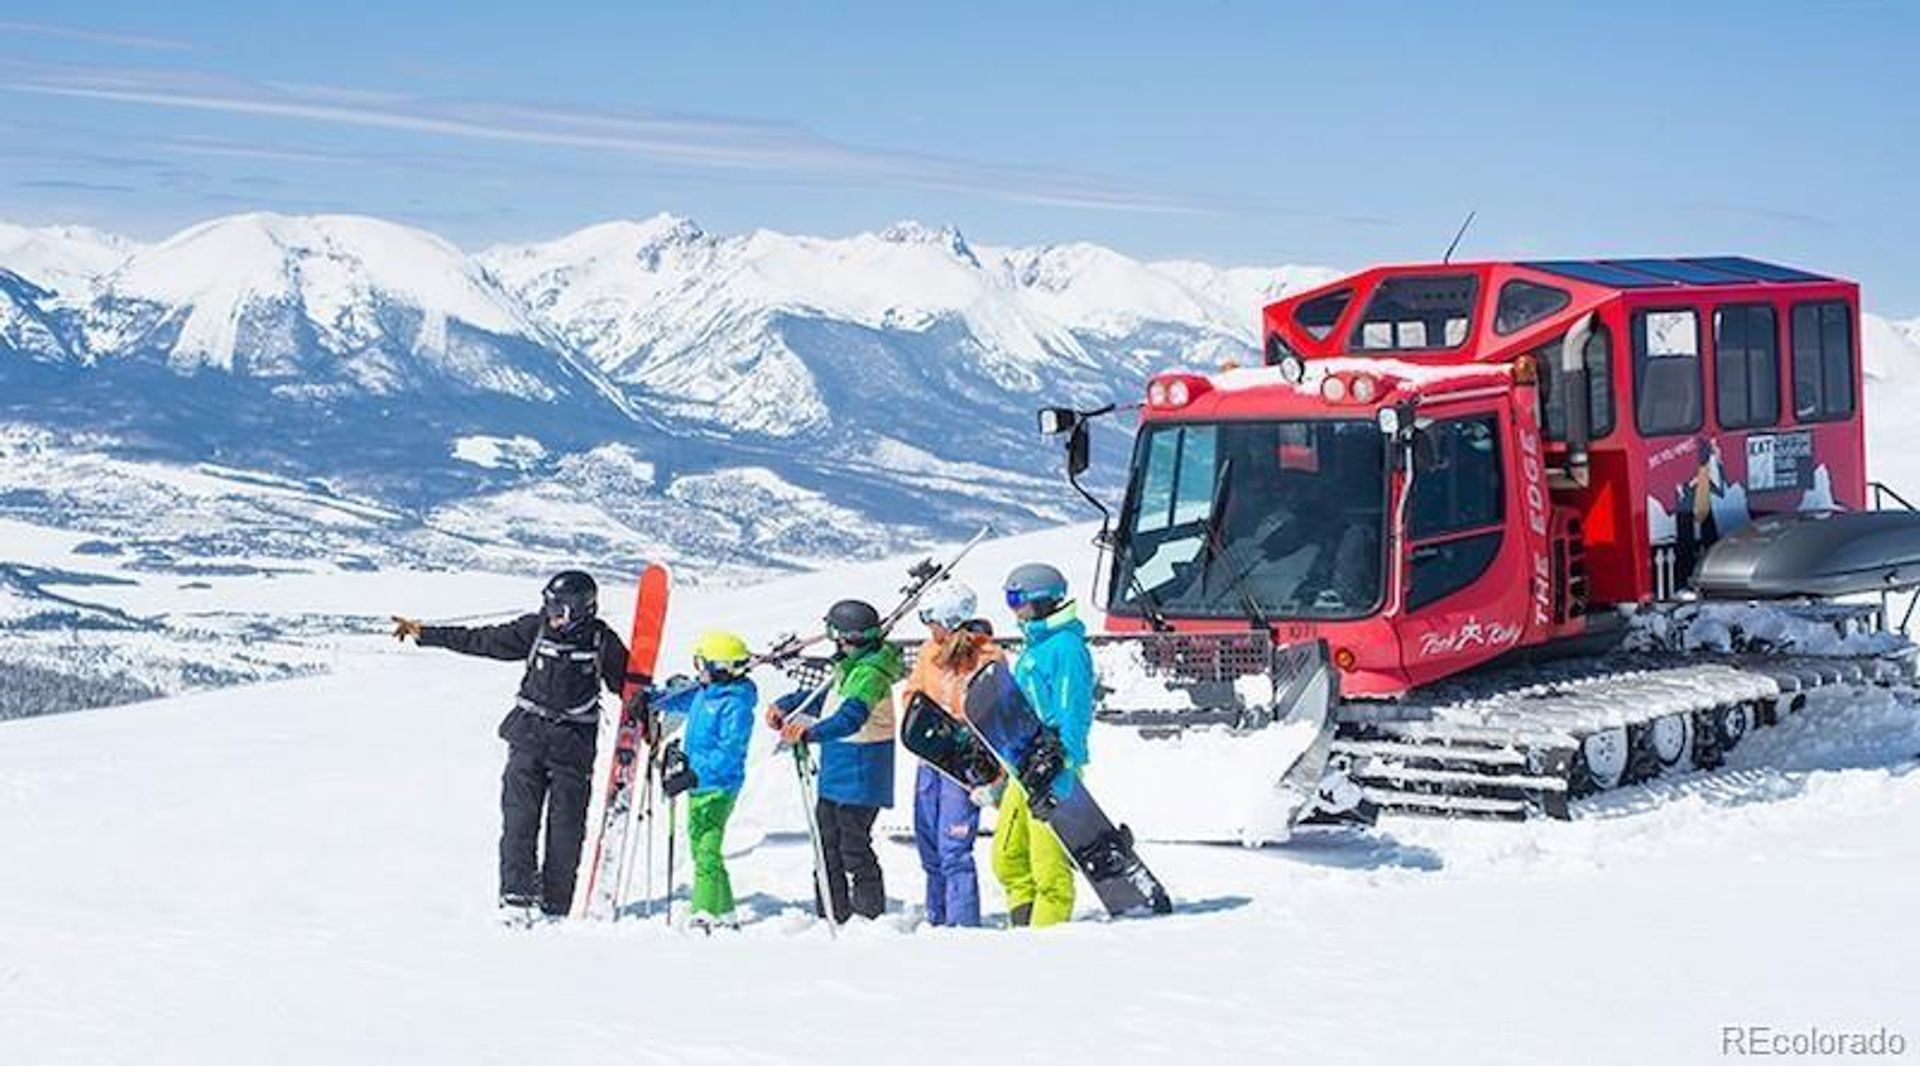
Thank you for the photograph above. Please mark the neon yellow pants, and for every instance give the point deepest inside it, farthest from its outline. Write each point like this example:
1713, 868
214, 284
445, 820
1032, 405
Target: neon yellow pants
1032, 866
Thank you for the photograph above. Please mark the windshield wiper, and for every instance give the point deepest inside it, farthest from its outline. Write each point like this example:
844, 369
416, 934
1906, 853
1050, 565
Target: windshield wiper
1215, 547
1124, 555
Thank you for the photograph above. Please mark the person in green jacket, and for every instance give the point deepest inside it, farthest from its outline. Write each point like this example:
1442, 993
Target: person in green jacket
856, 755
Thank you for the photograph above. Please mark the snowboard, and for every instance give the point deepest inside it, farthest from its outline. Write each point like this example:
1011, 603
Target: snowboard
1103, 851
600, 878
947, 744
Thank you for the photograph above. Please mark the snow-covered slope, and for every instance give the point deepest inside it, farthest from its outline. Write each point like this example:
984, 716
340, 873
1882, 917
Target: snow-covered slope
308, 867
1890, 352
66, 260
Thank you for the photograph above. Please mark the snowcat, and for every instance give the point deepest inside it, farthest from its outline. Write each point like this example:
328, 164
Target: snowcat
1521, 531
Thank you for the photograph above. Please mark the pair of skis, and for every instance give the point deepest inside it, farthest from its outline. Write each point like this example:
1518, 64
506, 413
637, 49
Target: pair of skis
920, 577
608, 862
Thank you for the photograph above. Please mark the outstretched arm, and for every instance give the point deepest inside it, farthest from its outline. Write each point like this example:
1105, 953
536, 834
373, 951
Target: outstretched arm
509, 640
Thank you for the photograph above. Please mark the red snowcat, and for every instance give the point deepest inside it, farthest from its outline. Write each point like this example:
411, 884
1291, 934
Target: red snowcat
1519, 531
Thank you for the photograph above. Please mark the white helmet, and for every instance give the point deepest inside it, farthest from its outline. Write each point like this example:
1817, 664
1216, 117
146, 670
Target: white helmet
950, 604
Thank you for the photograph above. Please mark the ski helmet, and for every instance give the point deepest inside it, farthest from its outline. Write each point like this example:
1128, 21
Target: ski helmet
720, 654
1038, 584
949, 604
853, 621
570, 599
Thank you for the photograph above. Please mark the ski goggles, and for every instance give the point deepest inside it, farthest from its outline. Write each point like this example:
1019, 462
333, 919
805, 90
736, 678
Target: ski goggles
1018, 598
710, 667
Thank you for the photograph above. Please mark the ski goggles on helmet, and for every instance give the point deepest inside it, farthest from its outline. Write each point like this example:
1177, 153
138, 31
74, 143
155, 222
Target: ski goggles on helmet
565, 611
1018, 598
852, 636
718, 667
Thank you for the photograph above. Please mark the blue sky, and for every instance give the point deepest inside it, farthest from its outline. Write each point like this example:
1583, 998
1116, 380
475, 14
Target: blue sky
1236, 133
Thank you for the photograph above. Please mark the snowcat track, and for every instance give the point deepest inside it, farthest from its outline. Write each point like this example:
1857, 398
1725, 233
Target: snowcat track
1525, 744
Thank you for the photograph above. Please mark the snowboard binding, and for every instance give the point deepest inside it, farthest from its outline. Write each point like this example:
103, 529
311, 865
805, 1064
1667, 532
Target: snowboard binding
1040, 769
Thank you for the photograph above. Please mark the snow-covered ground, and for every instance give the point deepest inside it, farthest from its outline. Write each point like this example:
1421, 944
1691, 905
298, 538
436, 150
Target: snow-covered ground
303, 872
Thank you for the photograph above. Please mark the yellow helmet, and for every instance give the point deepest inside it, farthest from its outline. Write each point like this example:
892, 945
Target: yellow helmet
720, 650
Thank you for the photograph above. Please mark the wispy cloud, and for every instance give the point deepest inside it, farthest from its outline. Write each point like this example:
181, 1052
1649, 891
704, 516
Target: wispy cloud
63, 185
1761, 212
715, 142
76, 33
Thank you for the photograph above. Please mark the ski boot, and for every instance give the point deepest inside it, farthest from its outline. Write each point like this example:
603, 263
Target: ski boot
518, 912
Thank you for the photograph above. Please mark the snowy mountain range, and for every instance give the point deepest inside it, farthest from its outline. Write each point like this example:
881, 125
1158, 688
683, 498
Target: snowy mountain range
632, 388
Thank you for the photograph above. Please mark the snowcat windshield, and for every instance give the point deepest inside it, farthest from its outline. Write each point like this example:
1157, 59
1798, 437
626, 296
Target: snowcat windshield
1238, 519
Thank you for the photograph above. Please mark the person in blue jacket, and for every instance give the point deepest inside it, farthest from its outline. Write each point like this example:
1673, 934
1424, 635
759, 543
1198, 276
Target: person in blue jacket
719, 722
1055, 673
856, 755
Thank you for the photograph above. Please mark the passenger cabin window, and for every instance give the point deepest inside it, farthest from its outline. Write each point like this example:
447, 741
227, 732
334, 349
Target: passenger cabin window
1422, 312
1319, 315
1666, 372
1457, 505
1822, 361
1746, 366
1598, 356
1522, 303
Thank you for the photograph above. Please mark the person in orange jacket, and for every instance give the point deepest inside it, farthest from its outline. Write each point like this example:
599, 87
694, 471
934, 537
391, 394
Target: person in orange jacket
946, 818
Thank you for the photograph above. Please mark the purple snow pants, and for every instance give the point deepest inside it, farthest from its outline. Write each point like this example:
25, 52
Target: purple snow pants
945, 822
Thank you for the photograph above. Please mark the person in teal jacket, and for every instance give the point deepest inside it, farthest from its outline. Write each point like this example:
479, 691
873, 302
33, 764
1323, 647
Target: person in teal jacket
719, 722
1055, 673
856, 755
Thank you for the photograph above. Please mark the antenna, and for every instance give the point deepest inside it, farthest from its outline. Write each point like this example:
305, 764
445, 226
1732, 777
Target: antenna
1448, 258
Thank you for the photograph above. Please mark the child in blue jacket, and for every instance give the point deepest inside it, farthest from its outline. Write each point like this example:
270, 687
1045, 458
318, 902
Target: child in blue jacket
719, 714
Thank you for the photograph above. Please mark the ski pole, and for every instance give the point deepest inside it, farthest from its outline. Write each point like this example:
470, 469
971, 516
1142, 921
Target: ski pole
803, 770
623, 871
646, 826
673, 822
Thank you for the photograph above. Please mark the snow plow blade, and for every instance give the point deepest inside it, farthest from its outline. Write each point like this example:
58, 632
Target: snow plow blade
1219, 737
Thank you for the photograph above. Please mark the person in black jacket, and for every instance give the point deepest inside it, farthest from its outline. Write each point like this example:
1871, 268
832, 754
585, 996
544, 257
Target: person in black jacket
551, 731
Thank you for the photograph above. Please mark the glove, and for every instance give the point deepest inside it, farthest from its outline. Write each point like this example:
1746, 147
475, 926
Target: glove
404, 628
634, 709
676, 774
985, 795
775, 717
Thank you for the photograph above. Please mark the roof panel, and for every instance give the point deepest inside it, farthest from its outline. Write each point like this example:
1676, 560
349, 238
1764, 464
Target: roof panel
1599, 273
1684, 271
1755, 270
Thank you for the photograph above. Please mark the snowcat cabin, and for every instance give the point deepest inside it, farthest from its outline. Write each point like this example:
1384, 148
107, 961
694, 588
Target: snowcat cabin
1287, 498
1717, 390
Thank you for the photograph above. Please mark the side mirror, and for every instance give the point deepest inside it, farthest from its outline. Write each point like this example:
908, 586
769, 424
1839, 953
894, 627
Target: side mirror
1079, 450
1057, 420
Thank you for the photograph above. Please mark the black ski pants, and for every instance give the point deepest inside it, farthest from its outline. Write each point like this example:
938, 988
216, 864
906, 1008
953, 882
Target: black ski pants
853, 870
550, 770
